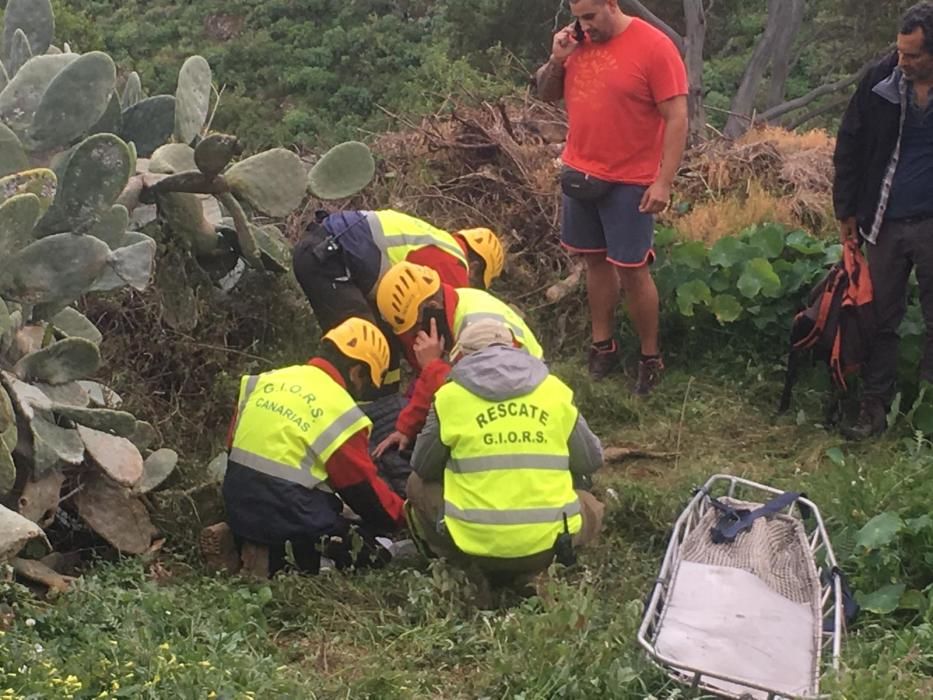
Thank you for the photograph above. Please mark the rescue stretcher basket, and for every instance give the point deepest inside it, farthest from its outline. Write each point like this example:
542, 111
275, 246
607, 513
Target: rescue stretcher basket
760, 616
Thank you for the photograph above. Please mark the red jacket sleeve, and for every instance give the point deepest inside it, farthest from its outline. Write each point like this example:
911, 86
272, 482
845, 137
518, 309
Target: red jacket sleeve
450, 269
352, 474
412, 418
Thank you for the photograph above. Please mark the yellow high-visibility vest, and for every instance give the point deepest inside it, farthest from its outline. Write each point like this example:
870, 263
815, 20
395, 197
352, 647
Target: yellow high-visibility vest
397, 235
291, 420
476, 305
507, 484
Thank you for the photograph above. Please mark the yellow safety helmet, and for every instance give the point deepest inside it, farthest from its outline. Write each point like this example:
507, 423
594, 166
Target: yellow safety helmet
362, 340
401, 292
487, 245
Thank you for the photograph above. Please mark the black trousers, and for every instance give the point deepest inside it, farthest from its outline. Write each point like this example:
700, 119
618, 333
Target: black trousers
902, 246
335, 297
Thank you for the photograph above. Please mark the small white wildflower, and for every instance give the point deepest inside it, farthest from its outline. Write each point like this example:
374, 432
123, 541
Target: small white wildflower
30, 622
39, 648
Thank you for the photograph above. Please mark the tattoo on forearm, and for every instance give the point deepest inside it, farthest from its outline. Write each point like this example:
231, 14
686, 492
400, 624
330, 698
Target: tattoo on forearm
551, 81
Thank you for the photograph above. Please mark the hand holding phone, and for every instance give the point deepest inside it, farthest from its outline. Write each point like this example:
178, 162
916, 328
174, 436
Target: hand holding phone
578, 34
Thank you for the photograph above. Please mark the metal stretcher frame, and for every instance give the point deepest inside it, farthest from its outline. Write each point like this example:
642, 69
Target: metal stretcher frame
831, 598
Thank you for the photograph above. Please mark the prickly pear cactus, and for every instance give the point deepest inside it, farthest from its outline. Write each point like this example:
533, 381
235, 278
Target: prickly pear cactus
99, 183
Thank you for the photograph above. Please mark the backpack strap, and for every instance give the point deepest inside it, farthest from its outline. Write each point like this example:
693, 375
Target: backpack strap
790, 378
850, 607
734, 521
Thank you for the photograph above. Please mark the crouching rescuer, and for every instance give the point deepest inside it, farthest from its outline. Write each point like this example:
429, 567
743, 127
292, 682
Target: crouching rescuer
497, 460
299, 450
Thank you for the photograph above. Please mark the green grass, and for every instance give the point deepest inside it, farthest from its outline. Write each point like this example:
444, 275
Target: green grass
165, 630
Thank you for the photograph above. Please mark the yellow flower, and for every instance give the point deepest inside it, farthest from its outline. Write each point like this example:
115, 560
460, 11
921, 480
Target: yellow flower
114, 686
164, 646
211, 695
204, 664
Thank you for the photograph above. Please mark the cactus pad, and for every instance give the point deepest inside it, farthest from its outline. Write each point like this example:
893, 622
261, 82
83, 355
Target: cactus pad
61, 362
56, 269
192, 98
21, 97
70, 394
112, 118
73, 324
7, 469
26, 398
184, 215
276, 252
39, 499
53, 446
15, 532
149, 123
273, 182
101, 395
135, 263
156, 469
111, 226
41, 182
6, 325
115, 514
132, 91
92, 180
144, 436
20, 52
215, 152
342, 172
35, 18
104, 420
12, 156
18, 217
172, 158
74, 101
116, 456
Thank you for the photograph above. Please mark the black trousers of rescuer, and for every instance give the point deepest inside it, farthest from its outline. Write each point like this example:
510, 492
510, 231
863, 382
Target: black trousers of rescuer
902, 246
335, 297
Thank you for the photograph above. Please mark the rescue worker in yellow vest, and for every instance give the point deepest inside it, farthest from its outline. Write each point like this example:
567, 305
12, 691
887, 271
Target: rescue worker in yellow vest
427, 316
299, 451
342, 258
494, 467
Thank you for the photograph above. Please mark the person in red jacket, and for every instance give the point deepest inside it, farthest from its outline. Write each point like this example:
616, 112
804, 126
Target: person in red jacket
341, 259
299, 452
427, 316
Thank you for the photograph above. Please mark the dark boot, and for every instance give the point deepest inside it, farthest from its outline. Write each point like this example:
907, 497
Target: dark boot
649, 374
603, 362
872, 420
218, 548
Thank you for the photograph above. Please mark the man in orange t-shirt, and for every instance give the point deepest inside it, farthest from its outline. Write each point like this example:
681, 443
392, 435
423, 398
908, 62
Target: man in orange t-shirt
625, 86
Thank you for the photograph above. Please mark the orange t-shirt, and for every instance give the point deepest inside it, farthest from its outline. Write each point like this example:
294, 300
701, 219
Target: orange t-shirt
612, 91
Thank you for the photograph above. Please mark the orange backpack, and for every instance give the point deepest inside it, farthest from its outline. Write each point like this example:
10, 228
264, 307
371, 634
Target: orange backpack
837, 324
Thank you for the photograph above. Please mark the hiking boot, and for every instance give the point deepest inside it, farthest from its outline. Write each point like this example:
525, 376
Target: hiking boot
649, 374
218, 548
603, 362
871, 421
255, 561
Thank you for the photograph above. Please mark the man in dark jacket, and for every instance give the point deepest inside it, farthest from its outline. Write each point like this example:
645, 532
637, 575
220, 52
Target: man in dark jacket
883, 191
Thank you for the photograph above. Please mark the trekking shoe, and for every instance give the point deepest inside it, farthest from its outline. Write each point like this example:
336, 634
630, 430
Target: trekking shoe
871, 421
649, 374
255, 561
218, 548
603, 362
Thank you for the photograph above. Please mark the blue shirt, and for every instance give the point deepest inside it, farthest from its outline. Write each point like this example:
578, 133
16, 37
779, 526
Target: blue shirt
912, 188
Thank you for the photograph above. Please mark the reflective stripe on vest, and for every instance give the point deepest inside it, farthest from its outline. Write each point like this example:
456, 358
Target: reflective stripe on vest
476, 305
507, 485
397, 235
291, 421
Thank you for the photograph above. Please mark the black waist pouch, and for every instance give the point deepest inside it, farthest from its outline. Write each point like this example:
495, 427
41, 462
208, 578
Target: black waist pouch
579, 185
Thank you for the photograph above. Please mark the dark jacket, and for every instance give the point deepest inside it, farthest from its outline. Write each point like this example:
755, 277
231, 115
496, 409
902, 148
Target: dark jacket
867, 137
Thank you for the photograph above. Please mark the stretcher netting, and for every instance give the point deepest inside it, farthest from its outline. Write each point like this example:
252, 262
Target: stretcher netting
750, 618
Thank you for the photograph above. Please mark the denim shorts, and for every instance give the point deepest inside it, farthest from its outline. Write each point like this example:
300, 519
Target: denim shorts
612, 225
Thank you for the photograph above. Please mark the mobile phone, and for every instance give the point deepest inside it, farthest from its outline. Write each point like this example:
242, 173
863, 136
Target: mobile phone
578, 34
436, 315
